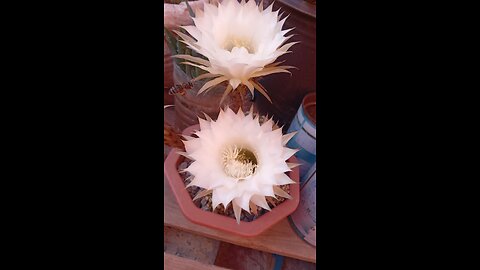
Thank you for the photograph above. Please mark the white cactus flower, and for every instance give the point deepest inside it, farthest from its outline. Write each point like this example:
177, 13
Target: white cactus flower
239, 160
241, 42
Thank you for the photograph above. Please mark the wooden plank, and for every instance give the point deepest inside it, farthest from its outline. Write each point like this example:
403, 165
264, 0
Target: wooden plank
237, 257
280, 239
178, 263
190, 246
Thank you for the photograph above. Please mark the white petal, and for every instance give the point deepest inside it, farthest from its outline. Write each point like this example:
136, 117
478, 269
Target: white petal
286, 138
211, 83
243, 201
234, 83
260, 201
250, 54
288, 152
237, 211
283, 179
266, 190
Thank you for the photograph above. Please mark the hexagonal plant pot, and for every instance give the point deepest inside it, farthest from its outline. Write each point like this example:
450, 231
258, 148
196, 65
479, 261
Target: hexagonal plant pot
221, 222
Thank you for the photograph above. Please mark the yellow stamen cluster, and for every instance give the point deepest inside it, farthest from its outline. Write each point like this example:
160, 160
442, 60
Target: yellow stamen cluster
232, 42
238, 163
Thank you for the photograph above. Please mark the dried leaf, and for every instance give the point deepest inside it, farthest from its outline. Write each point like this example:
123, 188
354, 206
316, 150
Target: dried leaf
197, 60
253, 208
202, 193
205, 76
211, 84
280, 192
261, 89
270, 200
225, 94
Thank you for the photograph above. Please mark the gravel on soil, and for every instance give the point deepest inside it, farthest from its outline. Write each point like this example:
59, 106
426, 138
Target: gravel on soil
205, 203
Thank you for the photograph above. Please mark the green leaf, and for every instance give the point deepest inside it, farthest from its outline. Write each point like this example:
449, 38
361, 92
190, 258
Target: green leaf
180, 50
188, 68
180, 47
194, 69
198, 71
171, 41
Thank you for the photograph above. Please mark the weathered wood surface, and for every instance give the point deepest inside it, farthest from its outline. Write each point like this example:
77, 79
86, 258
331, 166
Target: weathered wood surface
280, 239
178, 263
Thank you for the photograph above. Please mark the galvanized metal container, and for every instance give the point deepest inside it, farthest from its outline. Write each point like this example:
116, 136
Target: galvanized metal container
304, 123
304, 219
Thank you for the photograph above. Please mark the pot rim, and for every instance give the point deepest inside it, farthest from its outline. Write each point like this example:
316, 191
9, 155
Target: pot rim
221, 222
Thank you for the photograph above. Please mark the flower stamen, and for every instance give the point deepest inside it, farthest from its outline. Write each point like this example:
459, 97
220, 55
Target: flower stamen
239, 163
233, 42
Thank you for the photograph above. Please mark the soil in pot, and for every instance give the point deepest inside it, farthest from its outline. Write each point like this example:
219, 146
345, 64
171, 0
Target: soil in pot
205, 203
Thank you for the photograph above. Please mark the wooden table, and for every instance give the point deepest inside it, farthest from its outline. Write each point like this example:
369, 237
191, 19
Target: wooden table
280, 239
179, 263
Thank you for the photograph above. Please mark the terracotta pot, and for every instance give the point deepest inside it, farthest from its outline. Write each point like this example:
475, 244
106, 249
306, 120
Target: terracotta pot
288, 91
220, 222
190, 106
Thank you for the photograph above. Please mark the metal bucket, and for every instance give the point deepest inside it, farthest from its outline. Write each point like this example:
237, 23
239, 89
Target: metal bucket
304, 219
305, 123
